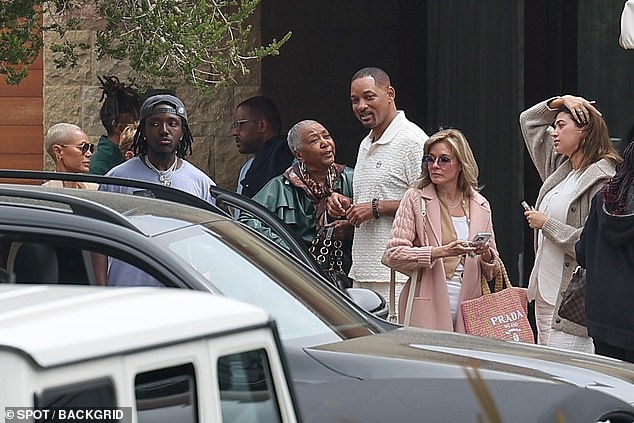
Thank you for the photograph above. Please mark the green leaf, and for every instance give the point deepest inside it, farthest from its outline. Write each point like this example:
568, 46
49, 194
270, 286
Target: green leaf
206, 44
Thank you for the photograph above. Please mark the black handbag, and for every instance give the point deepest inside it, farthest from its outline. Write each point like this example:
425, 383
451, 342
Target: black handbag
573, 304
329, 255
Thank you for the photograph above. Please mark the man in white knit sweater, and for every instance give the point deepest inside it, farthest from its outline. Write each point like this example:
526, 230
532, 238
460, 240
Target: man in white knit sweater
388, 162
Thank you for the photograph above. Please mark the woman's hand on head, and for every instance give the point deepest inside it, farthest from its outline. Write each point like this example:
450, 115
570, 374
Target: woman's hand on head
579, 107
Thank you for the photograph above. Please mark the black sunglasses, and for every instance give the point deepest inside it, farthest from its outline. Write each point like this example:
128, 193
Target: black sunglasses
85, 147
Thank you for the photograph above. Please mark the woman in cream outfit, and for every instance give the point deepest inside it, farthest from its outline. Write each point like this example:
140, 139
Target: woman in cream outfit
569, 144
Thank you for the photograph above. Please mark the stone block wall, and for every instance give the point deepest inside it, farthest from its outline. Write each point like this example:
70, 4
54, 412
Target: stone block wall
72, 95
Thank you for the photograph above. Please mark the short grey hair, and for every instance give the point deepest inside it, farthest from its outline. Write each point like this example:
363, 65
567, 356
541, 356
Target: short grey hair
294, 141
57, 135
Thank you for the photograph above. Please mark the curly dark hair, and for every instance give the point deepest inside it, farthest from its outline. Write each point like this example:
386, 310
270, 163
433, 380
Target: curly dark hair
120, 99
616, 189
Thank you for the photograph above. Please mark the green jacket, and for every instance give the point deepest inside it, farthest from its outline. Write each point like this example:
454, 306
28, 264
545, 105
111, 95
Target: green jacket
292, 205
105, 158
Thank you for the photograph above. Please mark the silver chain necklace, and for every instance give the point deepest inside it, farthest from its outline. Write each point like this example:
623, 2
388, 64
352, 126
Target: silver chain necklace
164, 176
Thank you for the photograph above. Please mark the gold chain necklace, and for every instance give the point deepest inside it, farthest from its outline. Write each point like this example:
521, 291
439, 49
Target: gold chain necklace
460, 201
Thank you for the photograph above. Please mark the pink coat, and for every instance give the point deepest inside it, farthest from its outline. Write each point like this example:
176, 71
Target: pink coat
406, 252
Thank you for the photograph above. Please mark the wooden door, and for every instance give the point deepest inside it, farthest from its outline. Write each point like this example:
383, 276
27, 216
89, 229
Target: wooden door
21, 121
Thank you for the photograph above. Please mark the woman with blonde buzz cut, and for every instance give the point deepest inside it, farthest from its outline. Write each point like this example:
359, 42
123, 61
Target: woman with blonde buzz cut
68, 146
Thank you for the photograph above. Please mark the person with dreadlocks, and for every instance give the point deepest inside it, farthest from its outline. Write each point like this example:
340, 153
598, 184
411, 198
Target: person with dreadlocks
606, 250
121, 104
161, 142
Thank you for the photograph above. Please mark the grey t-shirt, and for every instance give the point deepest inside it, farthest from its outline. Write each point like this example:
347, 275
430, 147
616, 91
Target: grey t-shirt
186, 178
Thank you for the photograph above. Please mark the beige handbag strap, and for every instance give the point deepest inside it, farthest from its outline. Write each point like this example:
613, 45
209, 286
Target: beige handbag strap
413, 283
502, 280
392, 317
410, 297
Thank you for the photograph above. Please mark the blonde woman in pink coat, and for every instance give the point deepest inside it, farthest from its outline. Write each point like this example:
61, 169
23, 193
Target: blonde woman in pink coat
440, 244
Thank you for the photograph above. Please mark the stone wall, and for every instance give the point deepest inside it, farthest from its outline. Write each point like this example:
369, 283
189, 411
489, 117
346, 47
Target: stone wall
72, 95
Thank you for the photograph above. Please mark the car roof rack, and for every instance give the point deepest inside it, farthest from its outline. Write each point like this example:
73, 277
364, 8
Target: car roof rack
79, 206
159, 191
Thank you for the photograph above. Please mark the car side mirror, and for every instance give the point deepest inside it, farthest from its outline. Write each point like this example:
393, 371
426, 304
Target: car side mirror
369, 300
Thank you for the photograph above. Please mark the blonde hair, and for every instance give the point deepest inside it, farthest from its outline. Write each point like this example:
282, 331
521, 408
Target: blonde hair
460, 148
58, 134
127, 137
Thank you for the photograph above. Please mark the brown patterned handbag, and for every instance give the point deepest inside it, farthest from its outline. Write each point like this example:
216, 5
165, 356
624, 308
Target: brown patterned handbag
573, 304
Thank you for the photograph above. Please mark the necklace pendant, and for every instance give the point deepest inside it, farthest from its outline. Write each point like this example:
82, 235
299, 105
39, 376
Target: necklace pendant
162, 178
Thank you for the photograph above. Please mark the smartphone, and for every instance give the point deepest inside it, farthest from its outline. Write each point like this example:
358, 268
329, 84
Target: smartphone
526, 206
482, 237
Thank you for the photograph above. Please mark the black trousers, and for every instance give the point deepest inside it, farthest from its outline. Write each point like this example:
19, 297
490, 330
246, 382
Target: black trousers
612, 351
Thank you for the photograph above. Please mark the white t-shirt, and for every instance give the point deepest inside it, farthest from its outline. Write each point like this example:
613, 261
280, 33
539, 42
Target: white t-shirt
549, 257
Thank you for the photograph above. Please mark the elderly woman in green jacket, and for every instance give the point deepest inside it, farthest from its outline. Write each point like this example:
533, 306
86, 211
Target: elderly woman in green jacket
569, 144
299, 196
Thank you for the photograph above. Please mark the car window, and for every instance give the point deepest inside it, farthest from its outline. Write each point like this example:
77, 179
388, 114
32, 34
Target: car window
51, 260
94, 393
42, 261
246, 388
243, 266
167, 395
239, 279
259, 219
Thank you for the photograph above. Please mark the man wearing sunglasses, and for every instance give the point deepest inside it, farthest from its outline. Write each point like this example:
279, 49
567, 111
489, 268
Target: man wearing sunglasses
257, 129
69, 148
388, 162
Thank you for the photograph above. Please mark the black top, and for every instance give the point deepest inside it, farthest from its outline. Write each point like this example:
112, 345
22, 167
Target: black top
606, 250
272, 161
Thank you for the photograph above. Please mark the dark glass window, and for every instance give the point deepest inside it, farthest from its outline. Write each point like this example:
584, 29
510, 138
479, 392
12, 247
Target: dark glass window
95, 393
246, 386
167, 395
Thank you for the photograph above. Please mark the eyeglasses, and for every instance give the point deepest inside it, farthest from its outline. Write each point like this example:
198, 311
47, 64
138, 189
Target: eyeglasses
443, 162
85, 147
237, 124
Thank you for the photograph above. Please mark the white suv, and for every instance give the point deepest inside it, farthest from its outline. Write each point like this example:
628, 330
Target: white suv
151, 355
